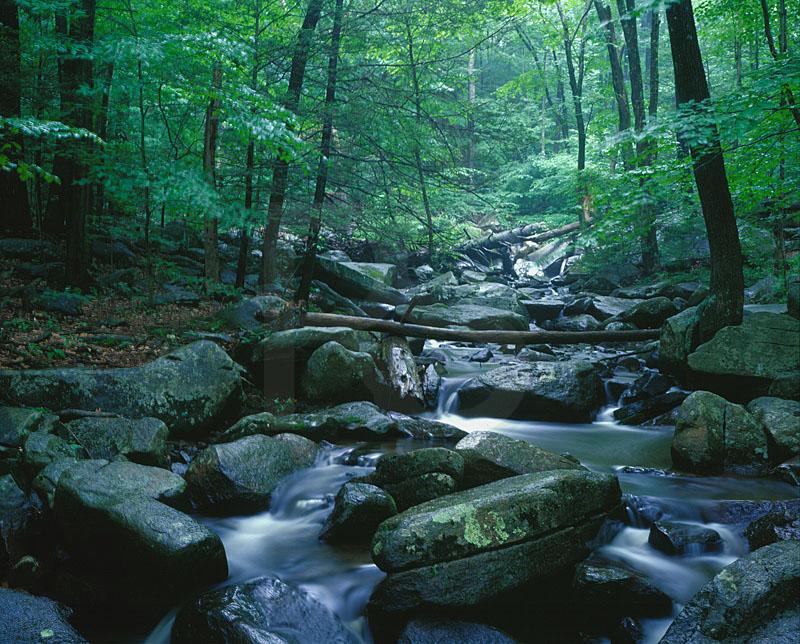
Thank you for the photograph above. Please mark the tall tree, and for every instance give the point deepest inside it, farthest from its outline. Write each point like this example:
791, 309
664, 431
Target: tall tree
13, 193
326, 147
280, 168
211, 131
724, 306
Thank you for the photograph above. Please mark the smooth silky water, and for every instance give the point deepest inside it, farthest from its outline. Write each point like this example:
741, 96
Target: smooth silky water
284, 541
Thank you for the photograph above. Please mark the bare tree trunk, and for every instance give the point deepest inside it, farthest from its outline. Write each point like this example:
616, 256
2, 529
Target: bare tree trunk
724, 307
326, 146
107, 77
210, 221
280, 168
788, 96
471, 98
13, 192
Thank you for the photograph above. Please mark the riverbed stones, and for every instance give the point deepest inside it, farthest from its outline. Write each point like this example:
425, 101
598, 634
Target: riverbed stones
28, 618
714, 435
143, 440
642, 411
754, 599
335, 374
677, 538
489, 456
582, 322
773, 527
118, 519
358, 510
263, 610
557, 391
607, 590
781, 418
514, 531
474, 316
230, 478
741, 362
427, 428
430, 630
188, 389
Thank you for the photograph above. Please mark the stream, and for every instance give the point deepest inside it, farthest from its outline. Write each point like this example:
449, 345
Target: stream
284, 541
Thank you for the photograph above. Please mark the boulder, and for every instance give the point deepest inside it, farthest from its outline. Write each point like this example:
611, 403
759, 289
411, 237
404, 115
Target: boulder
754, 599
489, 456
714, 435
558, 391
648, 385
418, 489
649, 314
335, 374
69, 304
238, 477
393, 468
18, 248
261, 611
426, 428
514, 531
330, 301
350, 282
27, 618
642, 411
606, 307
385, 273
358, 510
117, 520
16, 424
583, 322
741, 362
142, 441
42, 448
188, 389
429, 630
608, 590
678, 340
19, 522
474, 316
774, 526
675, 538
243, 315
544, 309
781, 418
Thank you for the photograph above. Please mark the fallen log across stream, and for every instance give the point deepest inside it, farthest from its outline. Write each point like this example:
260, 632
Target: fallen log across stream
468, 335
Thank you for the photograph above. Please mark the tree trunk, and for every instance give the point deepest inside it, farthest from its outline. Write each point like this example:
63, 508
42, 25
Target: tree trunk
326, 146
13, 192
788, 95
724, 307
471, 98
210, 221
107, 77
280, 168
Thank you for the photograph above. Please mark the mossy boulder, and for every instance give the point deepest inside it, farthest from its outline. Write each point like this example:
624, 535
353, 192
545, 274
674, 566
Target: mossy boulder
781, 419
356, 282
608, 590
241, 476
143, 440
263, 610
188, 389
474, 316
678, 340
427, 428
335, 374
649, 314
714, 435
358, 510
557, 391
489, 456
42, 448
754, 599
678, 538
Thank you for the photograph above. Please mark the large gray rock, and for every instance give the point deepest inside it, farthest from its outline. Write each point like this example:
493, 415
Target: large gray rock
188, 389
447, 631
261, 611
714, 435
678, 340
142, 441
335, 374
244, 315
489, 456
426, 428
117, 519
781, 418
26, 619
16, 424
385, 273
236, 477
356, 283
42, 448
559, 391
649, 314
754, 600
358, 510
474, 316
513, 531
582, 322
607, 589
741, 362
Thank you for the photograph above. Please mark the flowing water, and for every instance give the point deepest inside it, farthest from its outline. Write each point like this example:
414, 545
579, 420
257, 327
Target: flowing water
284, 541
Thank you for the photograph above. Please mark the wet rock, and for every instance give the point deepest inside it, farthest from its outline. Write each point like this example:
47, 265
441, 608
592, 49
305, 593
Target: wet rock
16, 424
640, 412
583, 322
188, 389
385, 273
431, 384
19, 523
741, 362
484, 355
754, 599
293, 347
355, 283
244, 315
674, 538
236, 477
489, 456
772, 527
447, 631
610, 590
650, 314
527, 354
544, 309
781, 418
142, 441
513, 531
335, 374
261, 611
42, 448
713, 435
559, 391
424, 273
357, 512
418, 489
474, 316
393, 468
427, 429
117, 520
648, 385
45, 482
27, 618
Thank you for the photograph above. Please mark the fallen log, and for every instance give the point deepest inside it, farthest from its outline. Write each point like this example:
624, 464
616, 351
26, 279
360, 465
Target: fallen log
529, 233
468, 335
